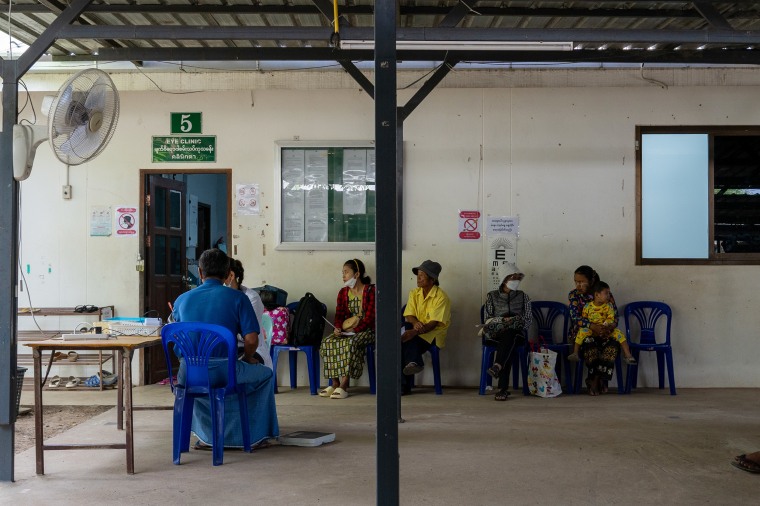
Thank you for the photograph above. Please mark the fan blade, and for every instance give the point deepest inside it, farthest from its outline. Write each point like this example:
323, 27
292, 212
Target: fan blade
96, 98
71, 146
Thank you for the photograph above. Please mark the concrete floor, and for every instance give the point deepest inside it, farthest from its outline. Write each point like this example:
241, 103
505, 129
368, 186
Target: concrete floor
455, 449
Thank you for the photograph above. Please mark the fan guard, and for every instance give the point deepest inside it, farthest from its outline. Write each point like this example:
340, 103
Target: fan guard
83, 116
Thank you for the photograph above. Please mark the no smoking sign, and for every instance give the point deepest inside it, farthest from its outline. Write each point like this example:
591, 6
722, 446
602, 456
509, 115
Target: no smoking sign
469, 226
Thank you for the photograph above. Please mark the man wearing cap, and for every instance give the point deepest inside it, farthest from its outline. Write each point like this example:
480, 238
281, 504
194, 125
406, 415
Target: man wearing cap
427, 315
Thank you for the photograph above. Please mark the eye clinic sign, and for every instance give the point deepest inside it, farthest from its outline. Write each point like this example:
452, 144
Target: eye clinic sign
184, 148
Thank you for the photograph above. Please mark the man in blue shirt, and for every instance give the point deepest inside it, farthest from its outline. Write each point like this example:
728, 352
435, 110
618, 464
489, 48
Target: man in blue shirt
212, 302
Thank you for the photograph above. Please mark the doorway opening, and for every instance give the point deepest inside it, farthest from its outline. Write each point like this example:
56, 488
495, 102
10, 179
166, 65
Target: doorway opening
184, 213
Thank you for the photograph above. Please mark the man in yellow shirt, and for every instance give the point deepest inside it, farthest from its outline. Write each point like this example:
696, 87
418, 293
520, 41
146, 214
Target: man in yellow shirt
428, 316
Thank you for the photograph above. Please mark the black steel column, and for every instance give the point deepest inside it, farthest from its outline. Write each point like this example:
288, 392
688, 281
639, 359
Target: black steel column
387, 254
8, 274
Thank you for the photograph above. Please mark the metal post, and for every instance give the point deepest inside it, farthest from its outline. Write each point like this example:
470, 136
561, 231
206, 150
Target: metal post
387, 254
8, 274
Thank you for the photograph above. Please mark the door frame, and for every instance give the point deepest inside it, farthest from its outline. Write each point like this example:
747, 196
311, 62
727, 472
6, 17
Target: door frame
143, 174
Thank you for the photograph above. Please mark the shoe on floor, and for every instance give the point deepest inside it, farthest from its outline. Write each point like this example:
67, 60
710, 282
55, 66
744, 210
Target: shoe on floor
72, 382
109, 379
412, 368
55, 382
327, 392
746, 465
339, 393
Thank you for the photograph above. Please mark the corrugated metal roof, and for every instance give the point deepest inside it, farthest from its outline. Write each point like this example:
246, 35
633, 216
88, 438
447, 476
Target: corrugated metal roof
664, 26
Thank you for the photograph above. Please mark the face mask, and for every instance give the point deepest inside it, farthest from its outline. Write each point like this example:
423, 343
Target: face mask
513, 284
350, 283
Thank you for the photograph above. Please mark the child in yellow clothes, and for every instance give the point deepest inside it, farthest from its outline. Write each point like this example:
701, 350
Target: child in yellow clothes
601, 312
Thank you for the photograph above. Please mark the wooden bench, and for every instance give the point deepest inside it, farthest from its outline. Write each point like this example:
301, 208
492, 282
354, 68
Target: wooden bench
86, 359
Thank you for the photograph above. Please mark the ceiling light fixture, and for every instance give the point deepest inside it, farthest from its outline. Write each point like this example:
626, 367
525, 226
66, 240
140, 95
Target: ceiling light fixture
464, 45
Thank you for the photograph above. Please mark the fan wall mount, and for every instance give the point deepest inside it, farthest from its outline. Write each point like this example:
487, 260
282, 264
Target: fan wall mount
81, 121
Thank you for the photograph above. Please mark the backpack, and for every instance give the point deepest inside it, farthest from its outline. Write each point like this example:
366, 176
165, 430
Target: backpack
271, 296
308, 322
280, 324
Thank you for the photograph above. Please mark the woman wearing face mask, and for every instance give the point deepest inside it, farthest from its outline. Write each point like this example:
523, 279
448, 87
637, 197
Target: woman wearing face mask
235, 281
344, 350
507, 314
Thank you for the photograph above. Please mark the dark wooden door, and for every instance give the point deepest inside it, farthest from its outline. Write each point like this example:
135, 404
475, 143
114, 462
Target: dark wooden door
204, 229
165, 263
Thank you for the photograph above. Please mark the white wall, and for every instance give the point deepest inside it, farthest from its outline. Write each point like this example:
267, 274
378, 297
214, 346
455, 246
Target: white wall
561, 158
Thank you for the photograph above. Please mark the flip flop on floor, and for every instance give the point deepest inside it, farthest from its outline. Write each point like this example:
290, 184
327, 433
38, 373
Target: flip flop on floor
501, 395
339, 393
326, 392
92, 381
72, 382
55, 382
746, 465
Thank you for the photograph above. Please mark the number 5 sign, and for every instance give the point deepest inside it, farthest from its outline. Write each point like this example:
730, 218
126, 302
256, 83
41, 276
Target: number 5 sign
469, 225
186, 123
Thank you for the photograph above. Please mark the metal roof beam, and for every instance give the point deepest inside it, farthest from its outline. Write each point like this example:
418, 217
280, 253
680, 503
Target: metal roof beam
427, 88
708, 56
367, 10
456, 15
360, 78
46, 38
420, 34
712, 15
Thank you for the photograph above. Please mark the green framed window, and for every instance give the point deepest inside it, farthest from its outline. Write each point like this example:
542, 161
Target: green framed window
326, 195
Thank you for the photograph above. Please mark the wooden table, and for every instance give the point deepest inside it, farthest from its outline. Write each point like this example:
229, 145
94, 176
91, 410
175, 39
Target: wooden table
124, 346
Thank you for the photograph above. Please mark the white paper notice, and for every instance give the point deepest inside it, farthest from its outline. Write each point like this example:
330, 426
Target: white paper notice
100, 220
354, 181
497, 225
315, 184
247, 196
293, 195
501, 249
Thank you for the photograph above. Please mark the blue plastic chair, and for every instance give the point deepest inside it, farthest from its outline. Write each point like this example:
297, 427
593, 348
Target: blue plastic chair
487, 361
197, 343
545, 314
435, 360
647, 313
371, 368
312, 358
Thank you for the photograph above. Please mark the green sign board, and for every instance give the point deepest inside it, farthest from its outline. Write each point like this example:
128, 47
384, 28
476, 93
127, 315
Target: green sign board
186, 123
184, 148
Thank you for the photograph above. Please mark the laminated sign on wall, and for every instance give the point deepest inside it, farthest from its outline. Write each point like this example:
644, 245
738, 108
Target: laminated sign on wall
469, 226
126, 221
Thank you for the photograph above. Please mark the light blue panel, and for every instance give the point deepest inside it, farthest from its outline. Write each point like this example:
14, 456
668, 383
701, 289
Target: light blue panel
674, 196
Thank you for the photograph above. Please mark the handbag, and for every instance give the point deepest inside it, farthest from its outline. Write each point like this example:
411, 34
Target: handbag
542, 378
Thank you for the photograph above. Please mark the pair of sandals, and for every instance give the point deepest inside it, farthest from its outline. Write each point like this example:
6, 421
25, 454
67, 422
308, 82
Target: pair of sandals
86, 309
333, 393
72, 356
69, 382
